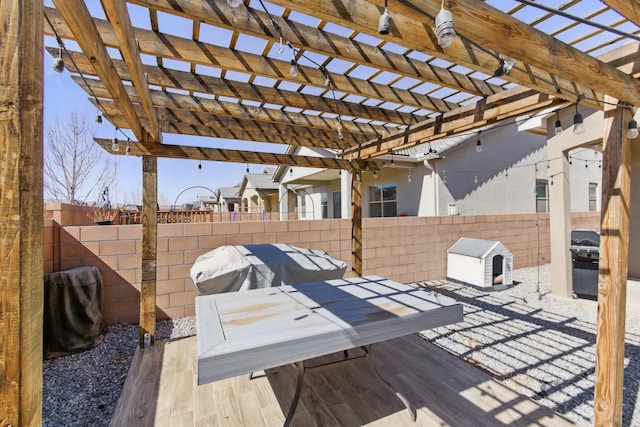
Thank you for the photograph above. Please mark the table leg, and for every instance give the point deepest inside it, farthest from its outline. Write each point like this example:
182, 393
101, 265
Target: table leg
407, 404
296, 396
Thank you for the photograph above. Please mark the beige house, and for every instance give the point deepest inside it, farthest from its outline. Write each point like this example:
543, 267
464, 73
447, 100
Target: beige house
258, 193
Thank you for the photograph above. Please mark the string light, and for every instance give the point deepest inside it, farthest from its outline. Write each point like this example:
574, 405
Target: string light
127, 151
293, 71
99, 118
200, 167
247, 167
478, 144
506, 64
633, 129
115, 146
445, 27
409, 177
340, 133
375, 175
578, 122
58, 64
557, 129
384, 25
475, 177
393, 164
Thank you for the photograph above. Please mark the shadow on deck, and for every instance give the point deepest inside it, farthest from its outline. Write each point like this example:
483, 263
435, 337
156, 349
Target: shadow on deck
161, 390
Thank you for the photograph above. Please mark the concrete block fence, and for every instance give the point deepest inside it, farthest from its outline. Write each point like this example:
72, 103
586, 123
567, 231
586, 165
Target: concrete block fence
405, 249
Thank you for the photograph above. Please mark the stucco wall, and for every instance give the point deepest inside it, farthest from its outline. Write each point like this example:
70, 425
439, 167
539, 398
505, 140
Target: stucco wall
404, 249
634, 225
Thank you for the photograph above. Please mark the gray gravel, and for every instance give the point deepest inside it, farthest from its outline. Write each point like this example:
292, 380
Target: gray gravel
537, 344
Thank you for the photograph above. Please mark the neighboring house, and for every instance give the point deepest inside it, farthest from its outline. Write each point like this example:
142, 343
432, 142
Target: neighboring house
229, 199
259, 193
206, 202
499, 170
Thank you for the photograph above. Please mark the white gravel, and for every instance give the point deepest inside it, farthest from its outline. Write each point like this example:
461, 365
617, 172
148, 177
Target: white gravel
537, 344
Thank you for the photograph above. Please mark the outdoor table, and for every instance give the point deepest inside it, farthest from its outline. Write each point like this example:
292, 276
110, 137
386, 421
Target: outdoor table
243, 332
242, 267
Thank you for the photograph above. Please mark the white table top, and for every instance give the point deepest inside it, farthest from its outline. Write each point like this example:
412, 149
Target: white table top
242, 332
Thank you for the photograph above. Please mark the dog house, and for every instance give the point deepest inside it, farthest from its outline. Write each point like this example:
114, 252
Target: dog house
485, 264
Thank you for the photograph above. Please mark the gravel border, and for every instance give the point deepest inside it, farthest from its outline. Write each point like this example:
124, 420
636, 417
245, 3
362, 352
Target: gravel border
537, 344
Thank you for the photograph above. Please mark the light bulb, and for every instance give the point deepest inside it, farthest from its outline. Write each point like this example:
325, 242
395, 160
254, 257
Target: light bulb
57, 65
478, 146
200, 167
633, 129
115, 146
234, 3
384, 25
445, 28
293, 71
558, 127
340, 133
409, 177
327, 81
375, 175
578, 124
127, 151
99, 118
393, 164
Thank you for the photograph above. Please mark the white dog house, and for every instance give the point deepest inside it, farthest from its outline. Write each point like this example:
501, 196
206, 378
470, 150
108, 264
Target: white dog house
485, 264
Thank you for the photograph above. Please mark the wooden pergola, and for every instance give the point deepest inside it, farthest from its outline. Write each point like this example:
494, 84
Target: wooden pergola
355, 91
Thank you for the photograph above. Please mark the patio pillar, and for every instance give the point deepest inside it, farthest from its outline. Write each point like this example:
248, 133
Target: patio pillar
356, 225
614, 262
21, 210
149, 248
283, 204
345, 191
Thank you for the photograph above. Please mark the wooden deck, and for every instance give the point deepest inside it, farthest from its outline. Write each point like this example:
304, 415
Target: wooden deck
161, 390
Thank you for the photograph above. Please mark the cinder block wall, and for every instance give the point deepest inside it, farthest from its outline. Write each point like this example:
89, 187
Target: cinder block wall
406, 249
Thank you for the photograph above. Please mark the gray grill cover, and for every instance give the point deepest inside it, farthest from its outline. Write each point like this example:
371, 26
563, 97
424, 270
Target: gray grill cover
242, 267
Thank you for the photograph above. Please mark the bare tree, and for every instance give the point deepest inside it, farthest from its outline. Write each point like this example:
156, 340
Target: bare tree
75, 166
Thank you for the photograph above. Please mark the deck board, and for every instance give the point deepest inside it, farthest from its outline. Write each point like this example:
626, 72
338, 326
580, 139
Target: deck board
161, 390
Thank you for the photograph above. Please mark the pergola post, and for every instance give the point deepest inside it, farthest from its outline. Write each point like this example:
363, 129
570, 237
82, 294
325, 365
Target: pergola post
356, 224
614, 262
21, 213
149, 248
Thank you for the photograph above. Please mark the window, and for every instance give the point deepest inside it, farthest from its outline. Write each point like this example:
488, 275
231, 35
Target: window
382, 200
593, 196
542, 195
337, 204
303, 207
324, 205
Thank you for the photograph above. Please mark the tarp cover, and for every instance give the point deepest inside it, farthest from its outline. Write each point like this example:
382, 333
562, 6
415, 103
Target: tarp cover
242, 267
72, 310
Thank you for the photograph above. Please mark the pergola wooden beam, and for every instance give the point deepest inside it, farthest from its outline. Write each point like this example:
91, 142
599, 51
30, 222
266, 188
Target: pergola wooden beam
200, 83
178, 48
176, 101
412, 28
21, 213
630, 9
237, 156
118, 15
256, 23
88, 38
506, 105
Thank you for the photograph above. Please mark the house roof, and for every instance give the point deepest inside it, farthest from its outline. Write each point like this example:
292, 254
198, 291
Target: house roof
230, 193
261, 181
385, 93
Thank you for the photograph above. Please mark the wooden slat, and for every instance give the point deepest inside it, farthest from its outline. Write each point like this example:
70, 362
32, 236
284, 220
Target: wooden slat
257, 23
212, 85
415, 30
85, 32
149, 248
356, 223
630, 9
182, 49
238, 156
118, 15
614, 263
172, 100
22, 222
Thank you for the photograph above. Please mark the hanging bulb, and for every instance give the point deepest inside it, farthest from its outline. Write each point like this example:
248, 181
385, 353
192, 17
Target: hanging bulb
506, 64
475, 178
444, 177
200, 167
357, 176
409, 177
340, 133
115, 146
99, 118
578, 122
327, 81
375, 175
557, 129
392, 164
291, 171
127, 151
478, 145
234, 3
633, 129
58, 64
293, 71
247, 167
445, 27
384, 25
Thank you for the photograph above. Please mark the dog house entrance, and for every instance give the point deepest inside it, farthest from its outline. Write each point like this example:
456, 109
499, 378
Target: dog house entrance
498, 265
